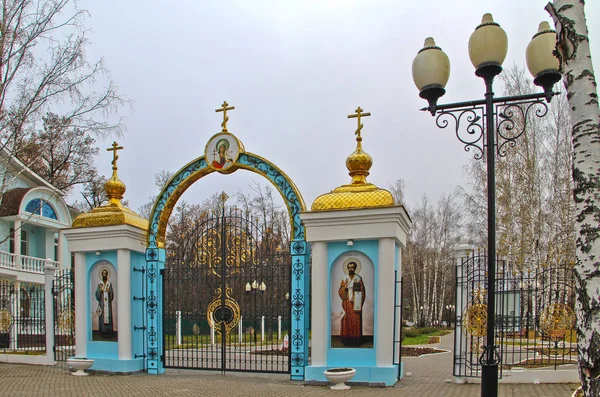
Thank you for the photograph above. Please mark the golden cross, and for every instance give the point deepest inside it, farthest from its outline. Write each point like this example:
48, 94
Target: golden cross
114, 149
224, 108
358, 115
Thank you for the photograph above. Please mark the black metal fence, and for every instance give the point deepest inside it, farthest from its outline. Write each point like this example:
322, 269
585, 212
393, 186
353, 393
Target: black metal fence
535, 315
398, 320
22, 318
63, 291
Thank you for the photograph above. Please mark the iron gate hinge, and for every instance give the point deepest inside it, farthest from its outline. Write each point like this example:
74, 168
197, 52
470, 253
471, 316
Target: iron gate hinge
162, 272
162, 357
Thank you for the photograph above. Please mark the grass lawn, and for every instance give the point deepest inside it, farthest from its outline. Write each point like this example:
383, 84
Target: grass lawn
420, 336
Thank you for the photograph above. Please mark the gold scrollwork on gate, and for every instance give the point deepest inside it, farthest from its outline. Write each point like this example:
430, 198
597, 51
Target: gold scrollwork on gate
556, 320
66, 320
217, 314
6, 320
209, 250
476, 319
238, 248
476, 314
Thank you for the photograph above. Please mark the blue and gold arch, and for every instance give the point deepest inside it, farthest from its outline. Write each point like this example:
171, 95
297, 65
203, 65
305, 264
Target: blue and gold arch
226, 158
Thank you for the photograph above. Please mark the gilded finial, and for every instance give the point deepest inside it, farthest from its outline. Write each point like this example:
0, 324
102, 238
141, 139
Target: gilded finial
114, 187
115, 147
223, 197
224, 108
114, 212
359, 113
359, 193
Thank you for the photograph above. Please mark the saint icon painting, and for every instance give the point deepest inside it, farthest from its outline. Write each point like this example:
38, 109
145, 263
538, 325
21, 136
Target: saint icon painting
104, 302
222, 151
352, 302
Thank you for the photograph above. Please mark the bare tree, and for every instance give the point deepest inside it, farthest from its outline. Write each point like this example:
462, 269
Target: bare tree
397, 190
48, 87
61, 154
93, 193
573, 52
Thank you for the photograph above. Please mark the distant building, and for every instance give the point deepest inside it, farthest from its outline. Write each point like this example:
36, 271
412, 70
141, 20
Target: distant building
32, 216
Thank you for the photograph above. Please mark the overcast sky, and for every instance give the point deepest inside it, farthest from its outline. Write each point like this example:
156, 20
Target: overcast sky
294, 70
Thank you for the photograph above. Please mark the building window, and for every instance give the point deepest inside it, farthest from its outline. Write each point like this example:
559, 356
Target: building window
55, 246
11, 244
41, 207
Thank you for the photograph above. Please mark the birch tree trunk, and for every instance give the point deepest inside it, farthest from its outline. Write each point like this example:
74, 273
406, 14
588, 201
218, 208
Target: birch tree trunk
578, 78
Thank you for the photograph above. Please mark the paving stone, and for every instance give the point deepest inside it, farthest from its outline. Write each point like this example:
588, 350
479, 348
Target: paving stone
429, 378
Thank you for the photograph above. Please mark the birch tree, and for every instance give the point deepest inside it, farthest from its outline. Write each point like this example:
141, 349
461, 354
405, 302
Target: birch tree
428, 261
573, 52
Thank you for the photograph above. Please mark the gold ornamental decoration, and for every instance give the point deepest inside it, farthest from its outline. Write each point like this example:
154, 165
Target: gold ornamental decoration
217, 314
476, 319
476, 313
556, 320
6, 320
66, 320
238, 247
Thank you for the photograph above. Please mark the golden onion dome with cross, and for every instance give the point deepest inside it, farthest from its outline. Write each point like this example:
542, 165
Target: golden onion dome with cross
359, 193
113, 213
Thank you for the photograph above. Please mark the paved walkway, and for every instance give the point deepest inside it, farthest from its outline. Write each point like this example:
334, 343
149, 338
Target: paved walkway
428, 376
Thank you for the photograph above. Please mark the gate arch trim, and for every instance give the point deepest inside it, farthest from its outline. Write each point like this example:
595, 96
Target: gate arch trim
199, 168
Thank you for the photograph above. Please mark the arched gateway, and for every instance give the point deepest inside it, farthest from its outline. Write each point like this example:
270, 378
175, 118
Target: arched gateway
225, 154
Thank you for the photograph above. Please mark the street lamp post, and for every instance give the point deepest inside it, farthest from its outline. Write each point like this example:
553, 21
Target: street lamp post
449, 309
490, 125
253, 288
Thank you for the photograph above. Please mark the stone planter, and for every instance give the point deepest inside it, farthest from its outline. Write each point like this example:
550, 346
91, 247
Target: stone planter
80, 365
338, 376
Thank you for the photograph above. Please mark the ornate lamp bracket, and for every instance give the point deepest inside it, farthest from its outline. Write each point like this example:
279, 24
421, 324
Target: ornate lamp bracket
511, 117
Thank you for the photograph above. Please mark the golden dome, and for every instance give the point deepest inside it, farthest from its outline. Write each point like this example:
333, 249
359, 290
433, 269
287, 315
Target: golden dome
359, 193
114, 188
113, 213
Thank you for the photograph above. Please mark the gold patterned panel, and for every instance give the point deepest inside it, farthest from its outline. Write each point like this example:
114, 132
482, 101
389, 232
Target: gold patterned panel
341, 198
6, 320
556, 320
476, 319
112, 214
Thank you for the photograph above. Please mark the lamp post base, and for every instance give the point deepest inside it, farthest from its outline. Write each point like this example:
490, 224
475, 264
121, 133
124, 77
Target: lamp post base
489, 381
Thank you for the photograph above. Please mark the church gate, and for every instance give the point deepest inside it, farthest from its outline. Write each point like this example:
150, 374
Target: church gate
226, 297
225, 154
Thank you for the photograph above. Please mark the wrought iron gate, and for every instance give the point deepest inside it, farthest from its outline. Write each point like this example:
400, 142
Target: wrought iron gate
63, 291
535, 317
22, 317
226, 297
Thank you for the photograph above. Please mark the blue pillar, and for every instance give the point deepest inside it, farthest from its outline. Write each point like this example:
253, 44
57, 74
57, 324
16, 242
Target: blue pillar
155, 264
300, 309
